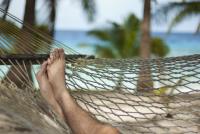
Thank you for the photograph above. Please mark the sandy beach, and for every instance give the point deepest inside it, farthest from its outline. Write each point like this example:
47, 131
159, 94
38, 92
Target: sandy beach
144, 114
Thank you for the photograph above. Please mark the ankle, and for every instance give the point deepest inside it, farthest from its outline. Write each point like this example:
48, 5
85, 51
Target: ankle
107, 129
61, 94
57, 83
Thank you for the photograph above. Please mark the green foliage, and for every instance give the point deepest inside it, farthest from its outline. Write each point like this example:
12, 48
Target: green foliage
118, 40
8, 30
106, 52
37, 39
89, 8
8, 27
168, 90
185, 9
158, 47
121, 40
42, 28
160, 91
12, 35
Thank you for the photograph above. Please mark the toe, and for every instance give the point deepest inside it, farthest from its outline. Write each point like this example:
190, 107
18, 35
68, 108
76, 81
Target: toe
56, 53
61, 54
44, 66
38, 75
51, 57
42, 70
49, 61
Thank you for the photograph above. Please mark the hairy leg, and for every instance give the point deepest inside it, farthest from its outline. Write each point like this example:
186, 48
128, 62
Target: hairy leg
78, 119
46, 89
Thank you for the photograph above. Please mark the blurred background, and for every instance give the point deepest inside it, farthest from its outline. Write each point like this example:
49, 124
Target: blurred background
116, 28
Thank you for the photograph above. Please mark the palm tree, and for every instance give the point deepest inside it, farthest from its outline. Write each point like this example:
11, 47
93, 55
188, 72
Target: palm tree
158, 47
29, 15
145, 31
5, 5
145, 81
29, 18
184, 9
88, 6
52, 17
121, 41
118, 40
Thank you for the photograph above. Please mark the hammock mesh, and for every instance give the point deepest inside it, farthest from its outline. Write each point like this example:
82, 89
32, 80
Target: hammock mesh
107, 88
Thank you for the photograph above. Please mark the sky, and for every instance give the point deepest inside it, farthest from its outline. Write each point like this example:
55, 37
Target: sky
70, 15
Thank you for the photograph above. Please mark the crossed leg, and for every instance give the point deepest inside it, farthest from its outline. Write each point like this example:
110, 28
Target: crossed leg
51, 80
46, 89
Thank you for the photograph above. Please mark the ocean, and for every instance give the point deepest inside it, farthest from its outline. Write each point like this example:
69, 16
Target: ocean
179, 43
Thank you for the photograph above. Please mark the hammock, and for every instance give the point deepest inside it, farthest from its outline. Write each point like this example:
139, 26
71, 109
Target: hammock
169, 101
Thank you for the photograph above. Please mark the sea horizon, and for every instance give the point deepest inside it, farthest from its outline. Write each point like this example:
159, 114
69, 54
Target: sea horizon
86, 30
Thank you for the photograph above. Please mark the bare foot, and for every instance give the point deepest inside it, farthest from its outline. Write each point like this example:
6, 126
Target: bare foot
46, 89
77, 118
56, 72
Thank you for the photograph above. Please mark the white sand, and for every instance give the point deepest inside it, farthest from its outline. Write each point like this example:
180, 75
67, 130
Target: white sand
140, 114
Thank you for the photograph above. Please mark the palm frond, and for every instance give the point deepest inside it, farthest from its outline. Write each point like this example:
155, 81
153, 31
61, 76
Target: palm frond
166, 9
186, 12
182, 10
121, 40
104, 51
132, 23
5, 5
198, 28
176, 6
48, 11
114, 24
100, 34
89, 7
158, 47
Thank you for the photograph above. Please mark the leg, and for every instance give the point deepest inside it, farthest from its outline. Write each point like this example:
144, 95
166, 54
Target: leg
46, 89
78, 119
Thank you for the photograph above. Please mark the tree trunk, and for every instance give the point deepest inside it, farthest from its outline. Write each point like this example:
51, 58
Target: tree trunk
29, 15
198, 29
52, 16
21, 74
145, 29
145, 81
6, 3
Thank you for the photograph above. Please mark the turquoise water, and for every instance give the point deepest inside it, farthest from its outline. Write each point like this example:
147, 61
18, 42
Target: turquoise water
179, 43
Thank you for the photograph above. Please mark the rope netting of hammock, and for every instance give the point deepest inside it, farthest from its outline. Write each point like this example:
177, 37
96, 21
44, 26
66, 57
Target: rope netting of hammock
137, 96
